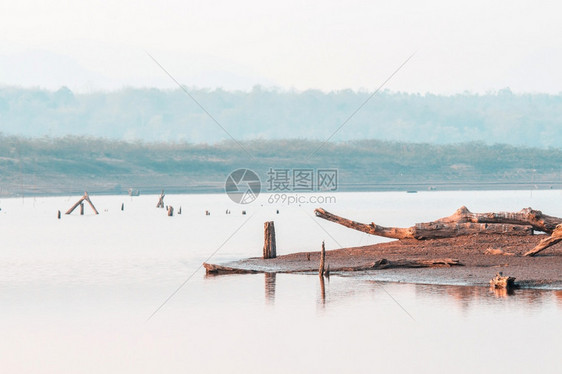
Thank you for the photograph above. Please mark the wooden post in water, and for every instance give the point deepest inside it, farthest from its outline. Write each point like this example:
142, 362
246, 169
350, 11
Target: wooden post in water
58, 214
269, 246
81, 208
170, 211
161, 200
322, 259
122, 206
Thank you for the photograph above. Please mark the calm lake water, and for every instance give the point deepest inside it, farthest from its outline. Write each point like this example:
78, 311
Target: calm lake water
76, 294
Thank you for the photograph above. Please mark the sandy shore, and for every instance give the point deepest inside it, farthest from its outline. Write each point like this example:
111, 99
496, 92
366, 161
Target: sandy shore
474, 252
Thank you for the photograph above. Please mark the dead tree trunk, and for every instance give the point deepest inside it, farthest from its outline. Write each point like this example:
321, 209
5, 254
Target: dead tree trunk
161, 200
444, 228
555, 238
80, 202
525, 217
269, 245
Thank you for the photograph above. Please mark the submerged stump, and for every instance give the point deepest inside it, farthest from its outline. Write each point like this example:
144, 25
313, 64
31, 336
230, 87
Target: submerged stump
499, 281
269, 245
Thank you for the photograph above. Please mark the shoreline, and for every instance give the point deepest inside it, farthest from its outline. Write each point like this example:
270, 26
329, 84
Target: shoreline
218, 188
481, 257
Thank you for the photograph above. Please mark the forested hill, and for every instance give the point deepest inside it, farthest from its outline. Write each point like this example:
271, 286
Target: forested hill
532, 120
74, 164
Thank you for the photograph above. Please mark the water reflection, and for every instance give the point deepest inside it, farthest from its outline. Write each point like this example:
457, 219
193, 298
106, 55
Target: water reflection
322, 300
334, 292
558, 295
270, 280
465, 296
502, 292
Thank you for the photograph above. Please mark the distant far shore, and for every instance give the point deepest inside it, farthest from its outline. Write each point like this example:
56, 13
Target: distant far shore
218, 188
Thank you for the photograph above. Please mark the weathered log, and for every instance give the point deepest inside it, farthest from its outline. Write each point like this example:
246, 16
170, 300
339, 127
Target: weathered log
269, 246
212, 269
404, 263
376, 265
555, 238
444, 228
525, 217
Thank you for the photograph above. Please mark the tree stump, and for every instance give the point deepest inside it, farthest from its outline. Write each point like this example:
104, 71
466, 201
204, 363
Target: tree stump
499, 281
269, 246
170, 211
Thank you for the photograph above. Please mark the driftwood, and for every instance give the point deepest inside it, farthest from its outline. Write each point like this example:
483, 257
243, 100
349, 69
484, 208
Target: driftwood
525, 217
555, 238
212, 269
80, 203
462, 222
376, 265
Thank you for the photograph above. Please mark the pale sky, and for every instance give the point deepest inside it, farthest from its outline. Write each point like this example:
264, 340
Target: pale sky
476, 46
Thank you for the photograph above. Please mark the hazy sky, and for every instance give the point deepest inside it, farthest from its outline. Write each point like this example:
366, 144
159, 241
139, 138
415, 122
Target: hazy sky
471, 45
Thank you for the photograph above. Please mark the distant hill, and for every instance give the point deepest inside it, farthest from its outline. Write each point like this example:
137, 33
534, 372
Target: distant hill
151, 115
74, 164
